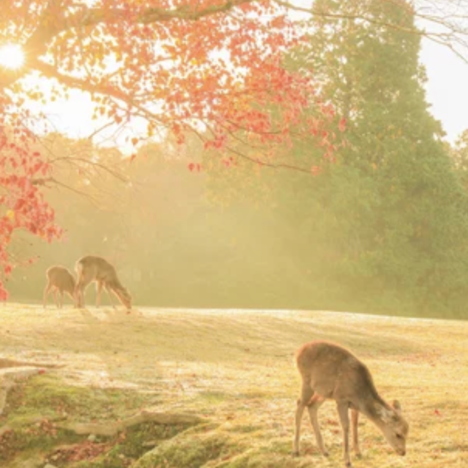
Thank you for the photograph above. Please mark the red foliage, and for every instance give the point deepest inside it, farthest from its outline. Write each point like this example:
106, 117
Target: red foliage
342, 124
22, 205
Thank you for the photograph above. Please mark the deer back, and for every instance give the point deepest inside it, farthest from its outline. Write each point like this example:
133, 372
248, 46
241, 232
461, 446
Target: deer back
334, 372
61, 278
96, 269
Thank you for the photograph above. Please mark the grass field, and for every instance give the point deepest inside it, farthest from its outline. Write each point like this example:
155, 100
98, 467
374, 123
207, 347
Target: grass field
235, 369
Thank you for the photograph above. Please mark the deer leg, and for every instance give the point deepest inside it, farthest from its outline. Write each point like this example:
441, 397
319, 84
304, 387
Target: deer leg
306, 395
46, 293
78, 297
72, 297
354, 422
344, 420
80, 291
313, 408
56, 297
77, 294
61, 298
98, 293
109, 290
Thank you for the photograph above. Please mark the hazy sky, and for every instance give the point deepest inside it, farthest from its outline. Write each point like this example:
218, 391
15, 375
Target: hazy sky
447, 87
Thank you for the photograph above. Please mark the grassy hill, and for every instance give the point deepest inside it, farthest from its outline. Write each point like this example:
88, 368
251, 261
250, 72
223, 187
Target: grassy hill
233, 368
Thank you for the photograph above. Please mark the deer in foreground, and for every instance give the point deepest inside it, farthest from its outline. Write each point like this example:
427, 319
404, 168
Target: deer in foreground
329, 371
91, 268
59, 280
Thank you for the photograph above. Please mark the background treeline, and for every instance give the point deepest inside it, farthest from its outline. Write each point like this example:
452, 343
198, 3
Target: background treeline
380, 227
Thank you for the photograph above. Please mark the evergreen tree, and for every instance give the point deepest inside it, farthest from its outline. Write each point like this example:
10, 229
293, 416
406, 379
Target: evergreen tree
395, 212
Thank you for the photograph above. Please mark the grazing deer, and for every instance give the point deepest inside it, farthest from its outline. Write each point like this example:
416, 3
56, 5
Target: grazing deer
331, 372
59, 280
89, 269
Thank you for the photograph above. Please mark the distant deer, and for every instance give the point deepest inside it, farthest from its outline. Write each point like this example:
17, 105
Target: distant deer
329, 371
89, 269
59, 280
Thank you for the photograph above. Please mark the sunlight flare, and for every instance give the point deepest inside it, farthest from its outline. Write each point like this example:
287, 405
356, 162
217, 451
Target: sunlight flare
11, 56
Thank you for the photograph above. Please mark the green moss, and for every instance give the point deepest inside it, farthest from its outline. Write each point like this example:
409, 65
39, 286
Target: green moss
110, 460
35, 404
22, 441
188, 451
128, 447
48, 396
214, 397
245, 428
133, 446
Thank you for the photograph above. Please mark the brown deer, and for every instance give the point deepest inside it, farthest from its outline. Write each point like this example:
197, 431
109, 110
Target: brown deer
91, 268
59, 280
329, 371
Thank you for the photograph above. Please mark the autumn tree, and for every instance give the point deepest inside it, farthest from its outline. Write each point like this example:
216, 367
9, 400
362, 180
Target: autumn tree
210, 67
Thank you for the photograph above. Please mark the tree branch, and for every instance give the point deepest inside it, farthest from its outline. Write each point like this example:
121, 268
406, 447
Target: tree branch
263, 163
55, 20
93, 16
451, 35
51, 72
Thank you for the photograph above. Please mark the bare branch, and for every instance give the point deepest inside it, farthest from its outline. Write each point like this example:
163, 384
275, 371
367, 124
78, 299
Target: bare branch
113, 92
99, 130
44, 181
92, 163
257, 161
93, 16
450, 27
260, 162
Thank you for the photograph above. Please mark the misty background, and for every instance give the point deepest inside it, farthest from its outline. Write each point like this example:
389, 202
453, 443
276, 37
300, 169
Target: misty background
380, 226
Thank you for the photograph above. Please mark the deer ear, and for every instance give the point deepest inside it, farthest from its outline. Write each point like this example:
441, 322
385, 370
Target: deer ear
385, 414
396, 406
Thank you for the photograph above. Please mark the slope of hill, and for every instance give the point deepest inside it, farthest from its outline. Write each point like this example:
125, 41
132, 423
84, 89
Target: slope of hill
233, 368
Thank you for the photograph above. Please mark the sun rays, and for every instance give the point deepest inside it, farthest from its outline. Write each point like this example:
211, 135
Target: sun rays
11, 56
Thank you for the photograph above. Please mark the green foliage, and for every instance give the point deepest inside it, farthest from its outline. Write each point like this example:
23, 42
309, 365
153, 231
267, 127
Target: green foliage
402, 217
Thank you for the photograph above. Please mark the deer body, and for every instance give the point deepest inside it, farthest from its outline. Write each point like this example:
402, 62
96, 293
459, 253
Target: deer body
92, 268
59, 280
329, 371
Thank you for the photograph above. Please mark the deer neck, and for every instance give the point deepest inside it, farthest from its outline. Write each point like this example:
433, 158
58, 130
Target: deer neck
376, 410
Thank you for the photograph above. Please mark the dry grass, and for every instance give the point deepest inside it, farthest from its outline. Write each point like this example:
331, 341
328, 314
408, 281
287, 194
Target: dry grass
236, 368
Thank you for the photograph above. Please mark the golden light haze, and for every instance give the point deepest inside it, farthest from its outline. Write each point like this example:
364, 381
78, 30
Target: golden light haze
11, 56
